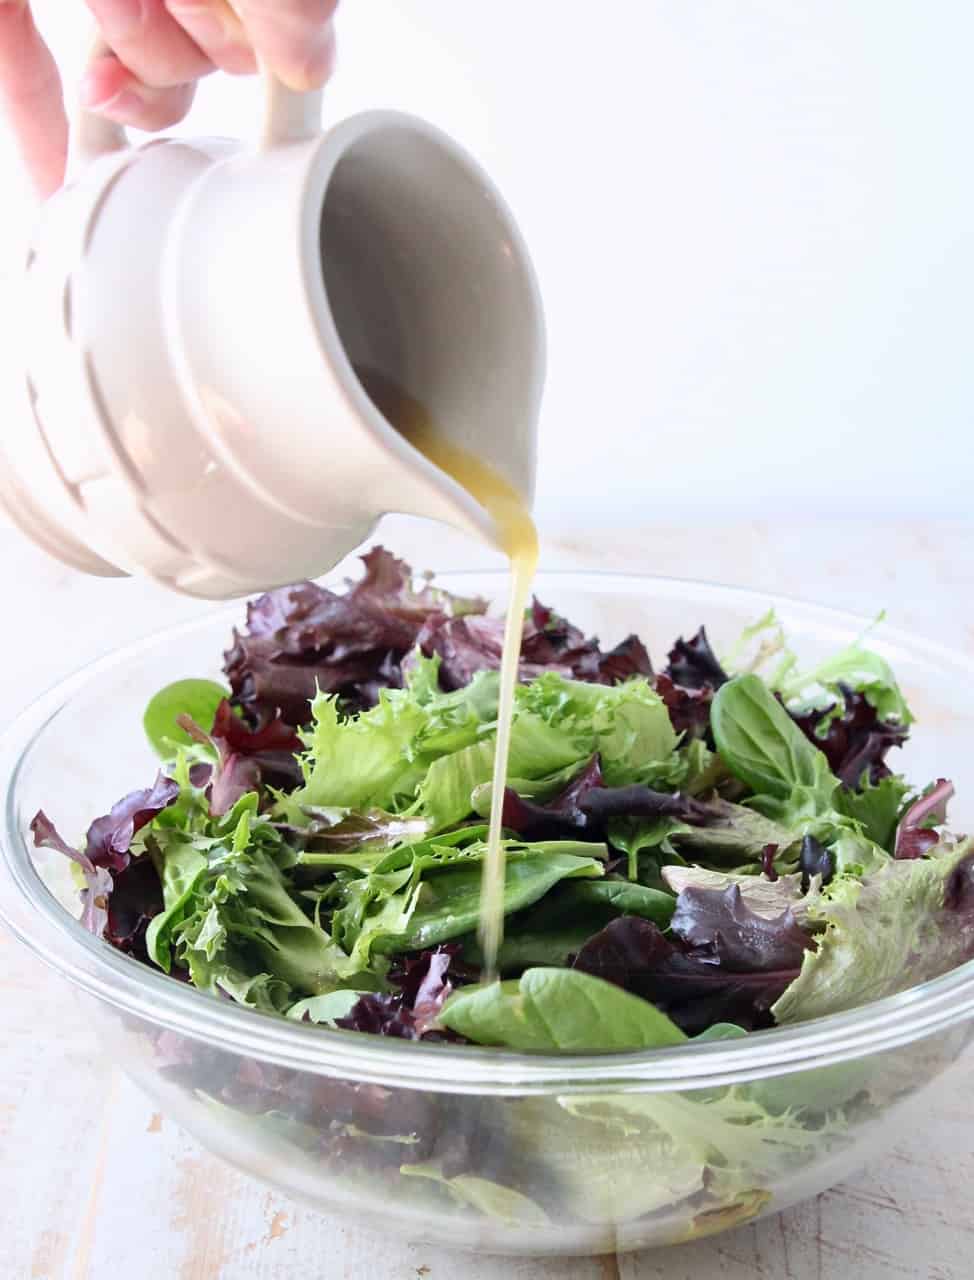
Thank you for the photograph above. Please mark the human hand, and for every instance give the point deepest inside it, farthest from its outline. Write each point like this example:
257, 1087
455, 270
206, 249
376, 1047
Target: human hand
159, 49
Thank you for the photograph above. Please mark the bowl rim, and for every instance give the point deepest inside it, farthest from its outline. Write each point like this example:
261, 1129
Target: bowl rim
33, 914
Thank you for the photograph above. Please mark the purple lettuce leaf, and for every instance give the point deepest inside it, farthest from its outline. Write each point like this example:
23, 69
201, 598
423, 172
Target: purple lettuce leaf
695, 992
135, 898
694, 665
636, 801
688, 683
689, 708
550, 642
106, 863
303, 638
272, 745
247, 757
768, 869
718, 926
373, 829
98, 880
232, 776
629, 658
561, 816
814, 860
915, 834
389, 585
856, 741
587, 805
409, 1014
109, 838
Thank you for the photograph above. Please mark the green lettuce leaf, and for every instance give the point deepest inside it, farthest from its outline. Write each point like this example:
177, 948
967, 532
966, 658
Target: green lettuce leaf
876, 808
232, 918
909, 921
628, 725
492, 1199
362, 762
854, 667
325, 1009
457, 785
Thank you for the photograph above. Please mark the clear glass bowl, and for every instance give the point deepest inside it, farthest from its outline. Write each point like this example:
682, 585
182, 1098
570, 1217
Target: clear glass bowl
537, 1154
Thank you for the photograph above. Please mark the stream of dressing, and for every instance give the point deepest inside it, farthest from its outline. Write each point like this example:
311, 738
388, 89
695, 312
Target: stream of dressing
519, 541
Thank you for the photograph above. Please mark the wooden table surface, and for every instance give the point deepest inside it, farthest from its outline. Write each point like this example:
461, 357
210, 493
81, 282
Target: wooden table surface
94, 1183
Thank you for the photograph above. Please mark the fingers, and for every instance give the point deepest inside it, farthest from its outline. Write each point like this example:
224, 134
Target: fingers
30, 91
159, 49
146, 39
218, 31
112, 90
294, 37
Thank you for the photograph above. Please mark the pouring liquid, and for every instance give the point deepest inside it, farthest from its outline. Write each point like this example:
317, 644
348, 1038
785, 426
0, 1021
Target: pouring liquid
519, 541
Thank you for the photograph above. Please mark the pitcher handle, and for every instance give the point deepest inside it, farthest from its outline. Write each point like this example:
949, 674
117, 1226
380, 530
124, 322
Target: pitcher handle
288, 117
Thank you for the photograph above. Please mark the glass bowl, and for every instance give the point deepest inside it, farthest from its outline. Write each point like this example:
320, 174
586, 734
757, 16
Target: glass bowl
492, 1150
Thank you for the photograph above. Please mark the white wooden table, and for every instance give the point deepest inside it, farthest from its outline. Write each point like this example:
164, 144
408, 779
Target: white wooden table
94, 1183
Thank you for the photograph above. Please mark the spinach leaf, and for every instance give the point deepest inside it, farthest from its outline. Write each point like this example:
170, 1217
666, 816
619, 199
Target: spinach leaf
599, 901
448, 901
637, 836
558, 1009
525, 947
761, 744
563, 921
197, 699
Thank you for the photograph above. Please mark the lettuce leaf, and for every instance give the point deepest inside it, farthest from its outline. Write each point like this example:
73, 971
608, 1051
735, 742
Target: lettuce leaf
558, 1009
762, 745
853, 667
492, 1199
907, 922
876, 807
626, 725
851, 670
448, 904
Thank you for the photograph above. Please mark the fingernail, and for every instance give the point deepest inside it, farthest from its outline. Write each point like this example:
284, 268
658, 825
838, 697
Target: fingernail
316, 63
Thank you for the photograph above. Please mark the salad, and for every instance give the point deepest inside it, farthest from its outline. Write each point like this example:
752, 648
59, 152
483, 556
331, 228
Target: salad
717, 844
699, 848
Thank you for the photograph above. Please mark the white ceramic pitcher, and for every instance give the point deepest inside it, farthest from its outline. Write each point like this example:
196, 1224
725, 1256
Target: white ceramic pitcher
193, 311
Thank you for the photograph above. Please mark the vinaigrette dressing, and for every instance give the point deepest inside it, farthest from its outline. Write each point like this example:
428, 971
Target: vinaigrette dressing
519, 541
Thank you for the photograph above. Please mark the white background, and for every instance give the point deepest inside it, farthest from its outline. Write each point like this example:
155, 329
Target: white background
752, 222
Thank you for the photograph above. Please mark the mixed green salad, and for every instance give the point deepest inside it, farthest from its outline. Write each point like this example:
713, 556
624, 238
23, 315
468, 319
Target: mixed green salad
696, 851
711, 848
